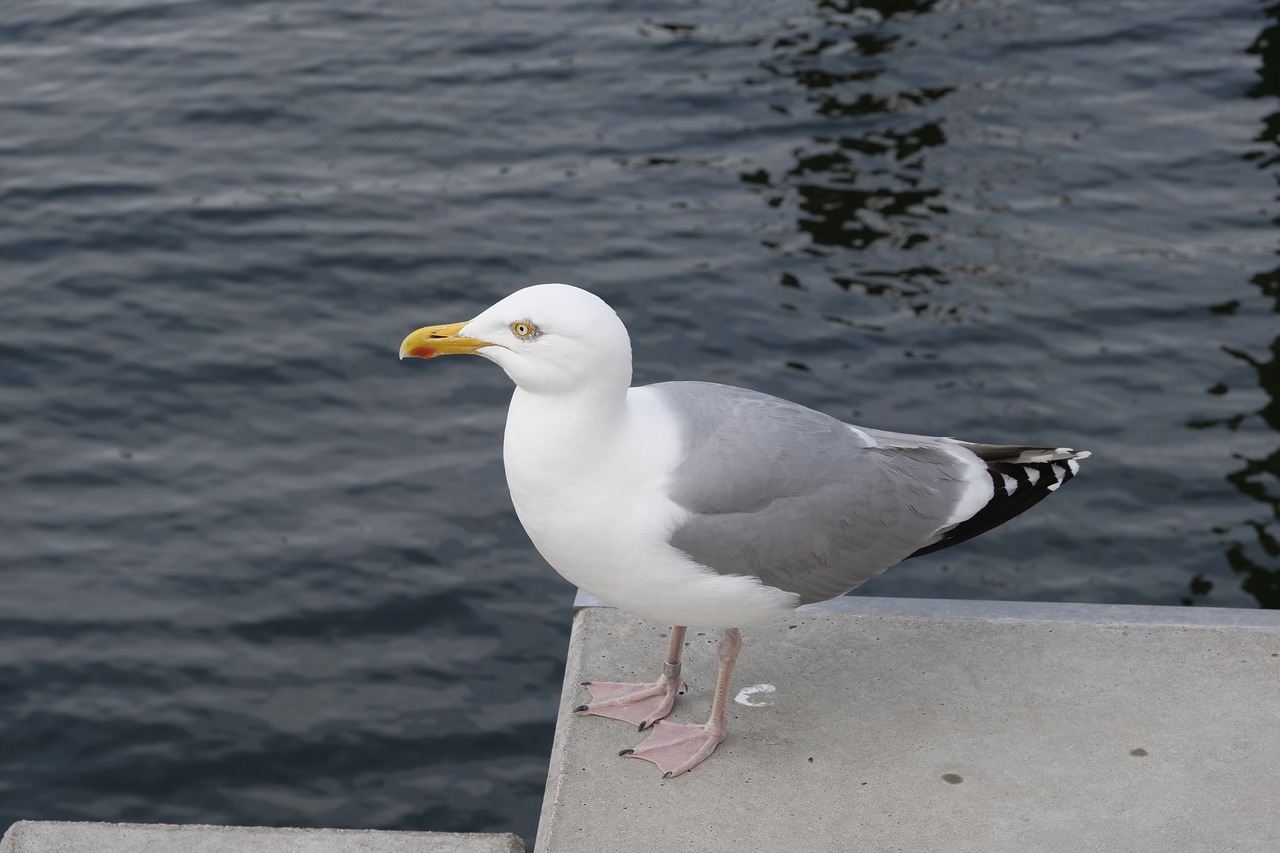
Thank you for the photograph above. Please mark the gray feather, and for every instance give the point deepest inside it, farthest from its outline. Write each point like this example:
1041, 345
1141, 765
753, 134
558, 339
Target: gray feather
798, 499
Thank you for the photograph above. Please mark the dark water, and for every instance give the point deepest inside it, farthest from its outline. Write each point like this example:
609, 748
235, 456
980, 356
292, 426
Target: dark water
254, 570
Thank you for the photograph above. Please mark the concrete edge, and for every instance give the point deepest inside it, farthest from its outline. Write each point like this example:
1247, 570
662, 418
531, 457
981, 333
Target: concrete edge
1030, 611
552, 800
51, 836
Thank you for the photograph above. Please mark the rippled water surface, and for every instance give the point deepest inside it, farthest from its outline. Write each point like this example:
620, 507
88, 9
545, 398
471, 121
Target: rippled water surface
254, 570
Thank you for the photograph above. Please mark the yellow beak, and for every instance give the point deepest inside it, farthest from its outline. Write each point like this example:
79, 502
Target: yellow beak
431, 341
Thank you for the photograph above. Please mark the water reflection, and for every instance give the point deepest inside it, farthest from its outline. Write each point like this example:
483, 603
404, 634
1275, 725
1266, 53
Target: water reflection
861, 186
1258, 562
1253, 547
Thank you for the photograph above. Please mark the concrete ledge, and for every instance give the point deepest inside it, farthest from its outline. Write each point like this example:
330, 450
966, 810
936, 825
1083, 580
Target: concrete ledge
64, 837
915, 725
1029, 611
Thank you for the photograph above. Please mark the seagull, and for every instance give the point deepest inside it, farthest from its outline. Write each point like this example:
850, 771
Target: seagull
694, 503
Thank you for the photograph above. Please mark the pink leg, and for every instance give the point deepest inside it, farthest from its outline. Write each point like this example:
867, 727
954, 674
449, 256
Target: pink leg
641, 705
679, 747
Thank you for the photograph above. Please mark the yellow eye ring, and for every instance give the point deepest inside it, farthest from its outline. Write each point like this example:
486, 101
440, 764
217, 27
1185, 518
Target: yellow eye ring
523, 329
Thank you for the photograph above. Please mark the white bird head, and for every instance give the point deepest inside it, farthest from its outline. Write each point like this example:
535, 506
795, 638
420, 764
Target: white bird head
549, 338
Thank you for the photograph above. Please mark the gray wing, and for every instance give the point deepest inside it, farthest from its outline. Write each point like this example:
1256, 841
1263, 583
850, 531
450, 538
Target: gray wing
813, 506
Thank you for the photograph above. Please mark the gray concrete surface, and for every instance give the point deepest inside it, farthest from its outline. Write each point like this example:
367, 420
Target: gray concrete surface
63, 837
940, 726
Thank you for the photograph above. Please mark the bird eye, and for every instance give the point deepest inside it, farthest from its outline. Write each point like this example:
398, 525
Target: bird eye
523, 329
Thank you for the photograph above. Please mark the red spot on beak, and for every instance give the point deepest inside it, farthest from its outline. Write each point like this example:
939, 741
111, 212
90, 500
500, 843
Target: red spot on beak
423, 352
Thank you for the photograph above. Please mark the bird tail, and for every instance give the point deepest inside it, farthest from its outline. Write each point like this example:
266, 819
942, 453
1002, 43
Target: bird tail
1021, 477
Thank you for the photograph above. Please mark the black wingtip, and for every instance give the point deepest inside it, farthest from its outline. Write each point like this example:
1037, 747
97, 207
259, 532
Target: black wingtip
1018, 483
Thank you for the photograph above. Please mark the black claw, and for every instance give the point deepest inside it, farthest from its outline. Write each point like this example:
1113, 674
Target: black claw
626, 752
666, 775
585, 683
644, 725
581, 708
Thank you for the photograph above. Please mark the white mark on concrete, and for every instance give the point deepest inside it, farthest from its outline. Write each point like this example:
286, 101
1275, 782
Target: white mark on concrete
746, 696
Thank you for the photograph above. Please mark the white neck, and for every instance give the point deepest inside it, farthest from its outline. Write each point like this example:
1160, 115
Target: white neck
563, 431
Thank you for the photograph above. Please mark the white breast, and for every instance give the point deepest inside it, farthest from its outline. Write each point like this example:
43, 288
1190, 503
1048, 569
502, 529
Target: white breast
590, 489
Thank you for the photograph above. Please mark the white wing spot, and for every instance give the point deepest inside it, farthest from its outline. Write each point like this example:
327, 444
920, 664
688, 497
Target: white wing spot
1057, 454
979, 489
867, 440
1033, 476
1010, 484
746, 694
1074, 466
